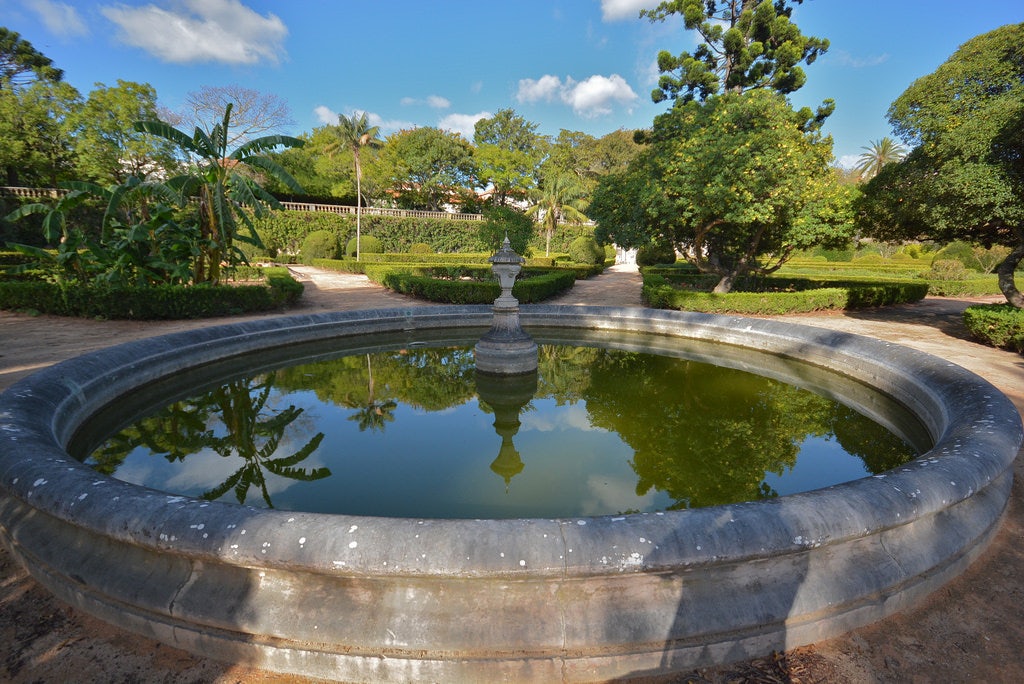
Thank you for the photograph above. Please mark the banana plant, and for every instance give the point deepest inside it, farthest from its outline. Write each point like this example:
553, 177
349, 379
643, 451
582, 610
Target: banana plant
225, 186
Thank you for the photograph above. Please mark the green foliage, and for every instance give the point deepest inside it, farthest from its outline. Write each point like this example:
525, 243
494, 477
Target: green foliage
962, 180
527, 291
946, 269
654, 254
739, 182
420, 248
746, 46
368, 244
814, 296
505, 221
508, 154
154, 302
228, 196
1000, 325
422, 167
585, 250
107, 150
321, 244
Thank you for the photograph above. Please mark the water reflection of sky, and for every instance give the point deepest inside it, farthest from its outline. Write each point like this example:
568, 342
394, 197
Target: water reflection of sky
451, 462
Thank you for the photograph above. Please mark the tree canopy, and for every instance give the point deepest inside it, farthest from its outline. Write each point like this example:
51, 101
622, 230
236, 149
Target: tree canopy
508, 153
21, 64
964, 178
737, 182
747, 44
425, 168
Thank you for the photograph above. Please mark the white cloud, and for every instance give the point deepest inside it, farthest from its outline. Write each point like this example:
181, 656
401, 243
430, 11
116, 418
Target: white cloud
848, 161
325, 115
545, 88
194, 31
616, 10
438, 102
589, 98
846, 59
462, 123
59, 18
434, 101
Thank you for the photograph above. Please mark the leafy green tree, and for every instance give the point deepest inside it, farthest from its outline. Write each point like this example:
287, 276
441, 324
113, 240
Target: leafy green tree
589, 158
746, 181
508, 153
21, 64
559, 198
354, 133
501, 222
878, 154
963, 179
747, 45
107, 148
426, 168
35, 140
226, 189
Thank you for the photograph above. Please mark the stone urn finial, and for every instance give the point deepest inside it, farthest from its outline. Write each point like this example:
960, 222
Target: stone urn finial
506, 349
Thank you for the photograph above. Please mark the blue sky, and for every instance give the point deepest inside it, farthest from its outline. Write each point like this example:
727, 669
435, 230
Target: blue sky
583, 65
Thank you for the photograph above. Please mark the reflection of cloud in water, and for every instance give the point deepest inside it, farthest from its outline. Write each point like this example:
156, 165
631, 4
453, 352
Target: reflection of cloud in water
203, 470
556, 418
608, 493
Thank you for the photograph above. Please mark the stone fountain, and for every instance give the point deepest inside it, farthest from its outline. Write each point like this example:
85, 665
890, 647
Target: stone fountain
506, 349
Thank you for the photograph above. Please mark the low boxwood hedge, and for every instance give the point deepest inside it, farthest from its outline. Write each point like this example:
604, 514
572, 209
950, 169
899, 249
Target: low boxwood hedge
791, 296
529, 290
1000, 325
151, 303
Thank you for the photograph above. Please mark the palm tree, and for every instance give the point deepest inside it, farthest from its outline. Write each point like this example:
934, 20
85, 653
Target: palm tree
225, 186
354, 133
559, 198
878, 154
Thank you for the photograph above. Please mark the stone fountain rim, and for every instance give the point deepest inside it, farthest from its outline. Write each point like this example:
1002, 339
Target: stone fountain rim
975, 444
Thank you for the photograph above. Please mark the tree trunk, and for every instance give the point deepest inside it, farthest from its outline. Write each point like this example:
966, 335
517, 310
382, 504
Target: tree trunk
1005, 271
724, 285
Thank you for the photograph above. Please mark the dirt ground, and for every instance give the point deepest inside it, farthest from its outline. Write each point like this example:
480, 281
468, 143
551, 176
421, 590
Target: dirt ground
970, 630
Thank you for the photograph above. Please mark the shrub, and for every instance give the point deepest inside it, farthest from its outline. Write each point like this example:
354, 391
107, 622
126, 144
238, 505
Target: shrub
420, 248
527, 291
802, 296
946, 269
652, 255
958, 251
368, 244
151, 303
1000, 325
585, 250
320, 244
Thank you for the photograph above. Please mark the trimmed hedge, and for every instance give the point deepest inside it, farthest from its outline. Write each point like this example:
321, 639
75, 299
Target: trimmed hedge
527, 291
159, 302
999, 325
659, 293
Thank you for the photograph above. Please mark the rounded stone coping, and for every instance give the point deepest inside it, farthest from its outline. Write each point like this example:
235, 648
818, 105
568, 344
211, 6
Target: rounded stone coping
584, 599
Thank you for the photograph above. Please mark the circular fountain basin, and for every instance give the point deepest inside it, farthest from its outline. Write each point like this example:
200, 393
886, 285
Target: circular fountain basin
583, 599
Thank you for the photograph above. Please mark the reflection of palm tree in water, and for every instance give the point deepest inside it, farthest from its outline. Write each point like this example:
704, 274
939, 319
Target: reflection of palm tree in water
373, 414
255, 438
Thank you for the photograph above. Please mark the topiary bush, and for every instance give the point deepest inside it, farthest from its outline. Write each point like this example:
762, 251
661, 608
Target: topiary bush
420, 248
320, 244
585, 250
368, 244
946, 269
501, 221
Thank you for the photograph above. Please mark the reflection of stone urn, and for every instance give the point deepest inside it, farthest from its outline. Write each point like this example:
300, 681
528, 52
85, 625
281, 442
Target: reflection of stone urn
506, 349
506, 396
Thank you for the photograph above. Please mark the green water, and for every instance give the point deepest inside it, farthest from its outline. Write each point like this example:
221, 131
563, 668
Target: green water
413, 432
